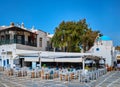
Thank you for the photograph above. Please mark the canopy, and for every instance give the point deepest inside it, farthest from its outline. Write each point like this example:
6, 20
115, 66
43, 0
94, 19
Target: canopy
46, 56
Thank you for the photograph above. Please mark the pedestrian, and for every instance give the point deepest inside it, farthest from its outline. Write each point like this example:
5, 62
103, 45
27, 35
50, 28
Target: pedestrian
118, 66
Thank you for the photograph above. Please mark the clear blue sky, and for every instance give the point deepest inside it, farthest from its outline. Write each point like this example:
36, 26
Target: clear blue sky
103, 15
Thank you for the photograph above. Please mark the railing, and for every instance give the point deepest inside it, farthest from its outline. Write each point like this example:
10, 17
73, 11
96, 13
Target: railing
2, 42
49, 48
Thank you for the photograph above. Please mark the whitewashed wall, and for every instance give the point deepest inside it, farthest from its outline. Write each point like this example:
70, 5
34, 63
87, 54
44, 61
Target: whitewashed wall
105, 51
7, 48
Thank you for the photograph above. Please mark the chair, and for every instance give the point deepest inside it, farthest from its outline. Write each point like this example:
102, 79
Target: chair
85, 76
42, 74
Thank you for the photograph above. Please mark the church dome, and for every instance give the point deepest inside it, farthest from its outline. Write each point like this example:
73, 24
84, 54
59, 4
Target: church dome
105, 38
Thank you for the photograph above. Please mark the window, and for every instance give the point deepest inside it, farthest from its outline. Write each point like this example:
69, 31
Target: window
40, 43
97, 49
2, 38
7, 61
7, 37
19, 39
48, 44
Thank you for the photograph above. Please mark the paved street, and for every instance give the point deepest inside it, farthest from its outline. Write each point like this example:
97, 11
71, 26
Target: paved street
111, 79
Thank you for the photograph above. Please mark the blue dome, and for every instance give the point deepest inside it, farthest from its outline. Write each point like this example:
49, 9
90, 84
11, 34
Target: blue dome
105, 38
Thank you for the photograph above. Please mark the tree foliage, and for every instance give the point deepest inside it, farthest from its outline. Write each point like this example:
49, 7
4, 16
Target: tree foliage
72, 36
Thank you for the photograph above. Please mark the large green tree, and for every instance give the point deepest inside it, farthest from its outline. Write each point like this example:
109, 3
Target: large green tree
72, 36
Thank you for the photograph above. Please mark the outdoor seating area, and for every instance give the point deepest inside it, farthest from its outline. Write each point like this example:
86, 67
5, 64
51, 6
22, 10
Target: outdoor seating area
64, 74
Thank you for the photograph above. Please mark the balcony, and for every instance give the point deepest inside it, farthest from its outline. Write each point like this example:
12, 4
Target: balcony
3, 42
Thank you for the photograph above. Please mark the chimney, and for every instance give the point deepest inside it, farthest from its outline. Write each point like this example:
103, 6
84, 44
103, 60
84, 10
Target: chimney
12, 24
22, 25
33, 28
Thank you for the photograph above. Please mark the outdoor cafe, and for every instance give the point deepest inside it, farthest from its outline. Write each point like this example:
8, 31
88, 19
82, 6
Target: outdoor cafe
83, 67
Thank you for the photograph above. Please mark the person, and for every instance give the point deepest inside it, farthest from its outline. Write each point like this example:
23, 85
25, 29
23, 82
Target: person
14, 66
115, 65
118, 66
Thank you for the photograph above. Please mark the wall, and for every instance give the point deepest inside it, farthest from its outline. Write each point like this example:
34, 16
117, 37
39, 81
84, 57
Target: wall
26, 47
42, 35
7, 52
105, 50
26, 35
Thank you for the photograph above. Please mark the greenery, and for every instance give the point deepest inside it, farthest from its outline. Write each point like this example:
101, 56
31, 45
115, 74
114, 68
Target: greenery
73, 36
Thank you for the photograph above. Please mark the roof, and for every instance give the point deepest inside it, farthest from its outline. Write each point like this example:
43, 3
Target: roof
3, 27
13, 27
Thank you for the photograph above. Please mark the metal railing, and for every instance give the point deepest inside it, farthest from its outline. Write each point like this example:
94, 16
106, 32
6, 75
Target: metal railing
2, 42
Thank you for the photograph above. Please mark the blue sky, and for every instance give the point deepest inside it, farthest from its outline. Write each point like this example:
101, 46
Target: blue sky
103, 15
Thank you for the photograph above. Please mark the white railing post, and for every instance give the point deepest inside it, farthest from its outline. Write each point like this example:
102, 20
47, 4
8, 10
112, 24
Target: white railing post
83, 63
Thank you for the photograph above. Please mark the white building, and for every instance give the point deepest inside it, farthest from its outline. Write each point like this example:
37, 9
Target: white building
14, 38
104, 47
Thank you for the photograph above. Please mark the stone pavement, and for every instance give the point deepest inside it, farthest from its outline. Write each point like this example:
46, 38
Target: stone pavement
111, 79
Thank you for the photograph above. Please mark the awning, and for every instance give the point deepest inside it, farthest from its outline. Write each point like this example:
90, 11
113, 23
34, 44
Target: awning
46, 56
68, 60
46, 59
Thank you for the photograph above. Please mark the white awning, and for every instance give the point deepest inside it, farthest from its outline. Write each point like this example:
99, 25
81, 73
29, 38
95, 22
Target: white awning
27, 59
68, 60
46, 56
36, 59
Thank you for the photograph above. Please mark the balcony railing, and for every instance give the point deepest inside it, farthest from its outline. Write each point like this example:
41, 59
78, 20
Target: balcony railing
2, 42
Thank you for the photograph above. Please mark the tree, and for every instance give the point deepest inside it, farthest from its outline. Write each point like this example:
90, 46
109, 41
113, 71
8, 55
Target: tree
88, 39
70, 36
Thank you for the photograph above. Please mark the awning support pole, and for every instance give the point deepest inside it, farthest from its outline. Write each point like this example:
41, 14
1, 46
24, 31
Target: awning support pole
39, 58
83, 62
